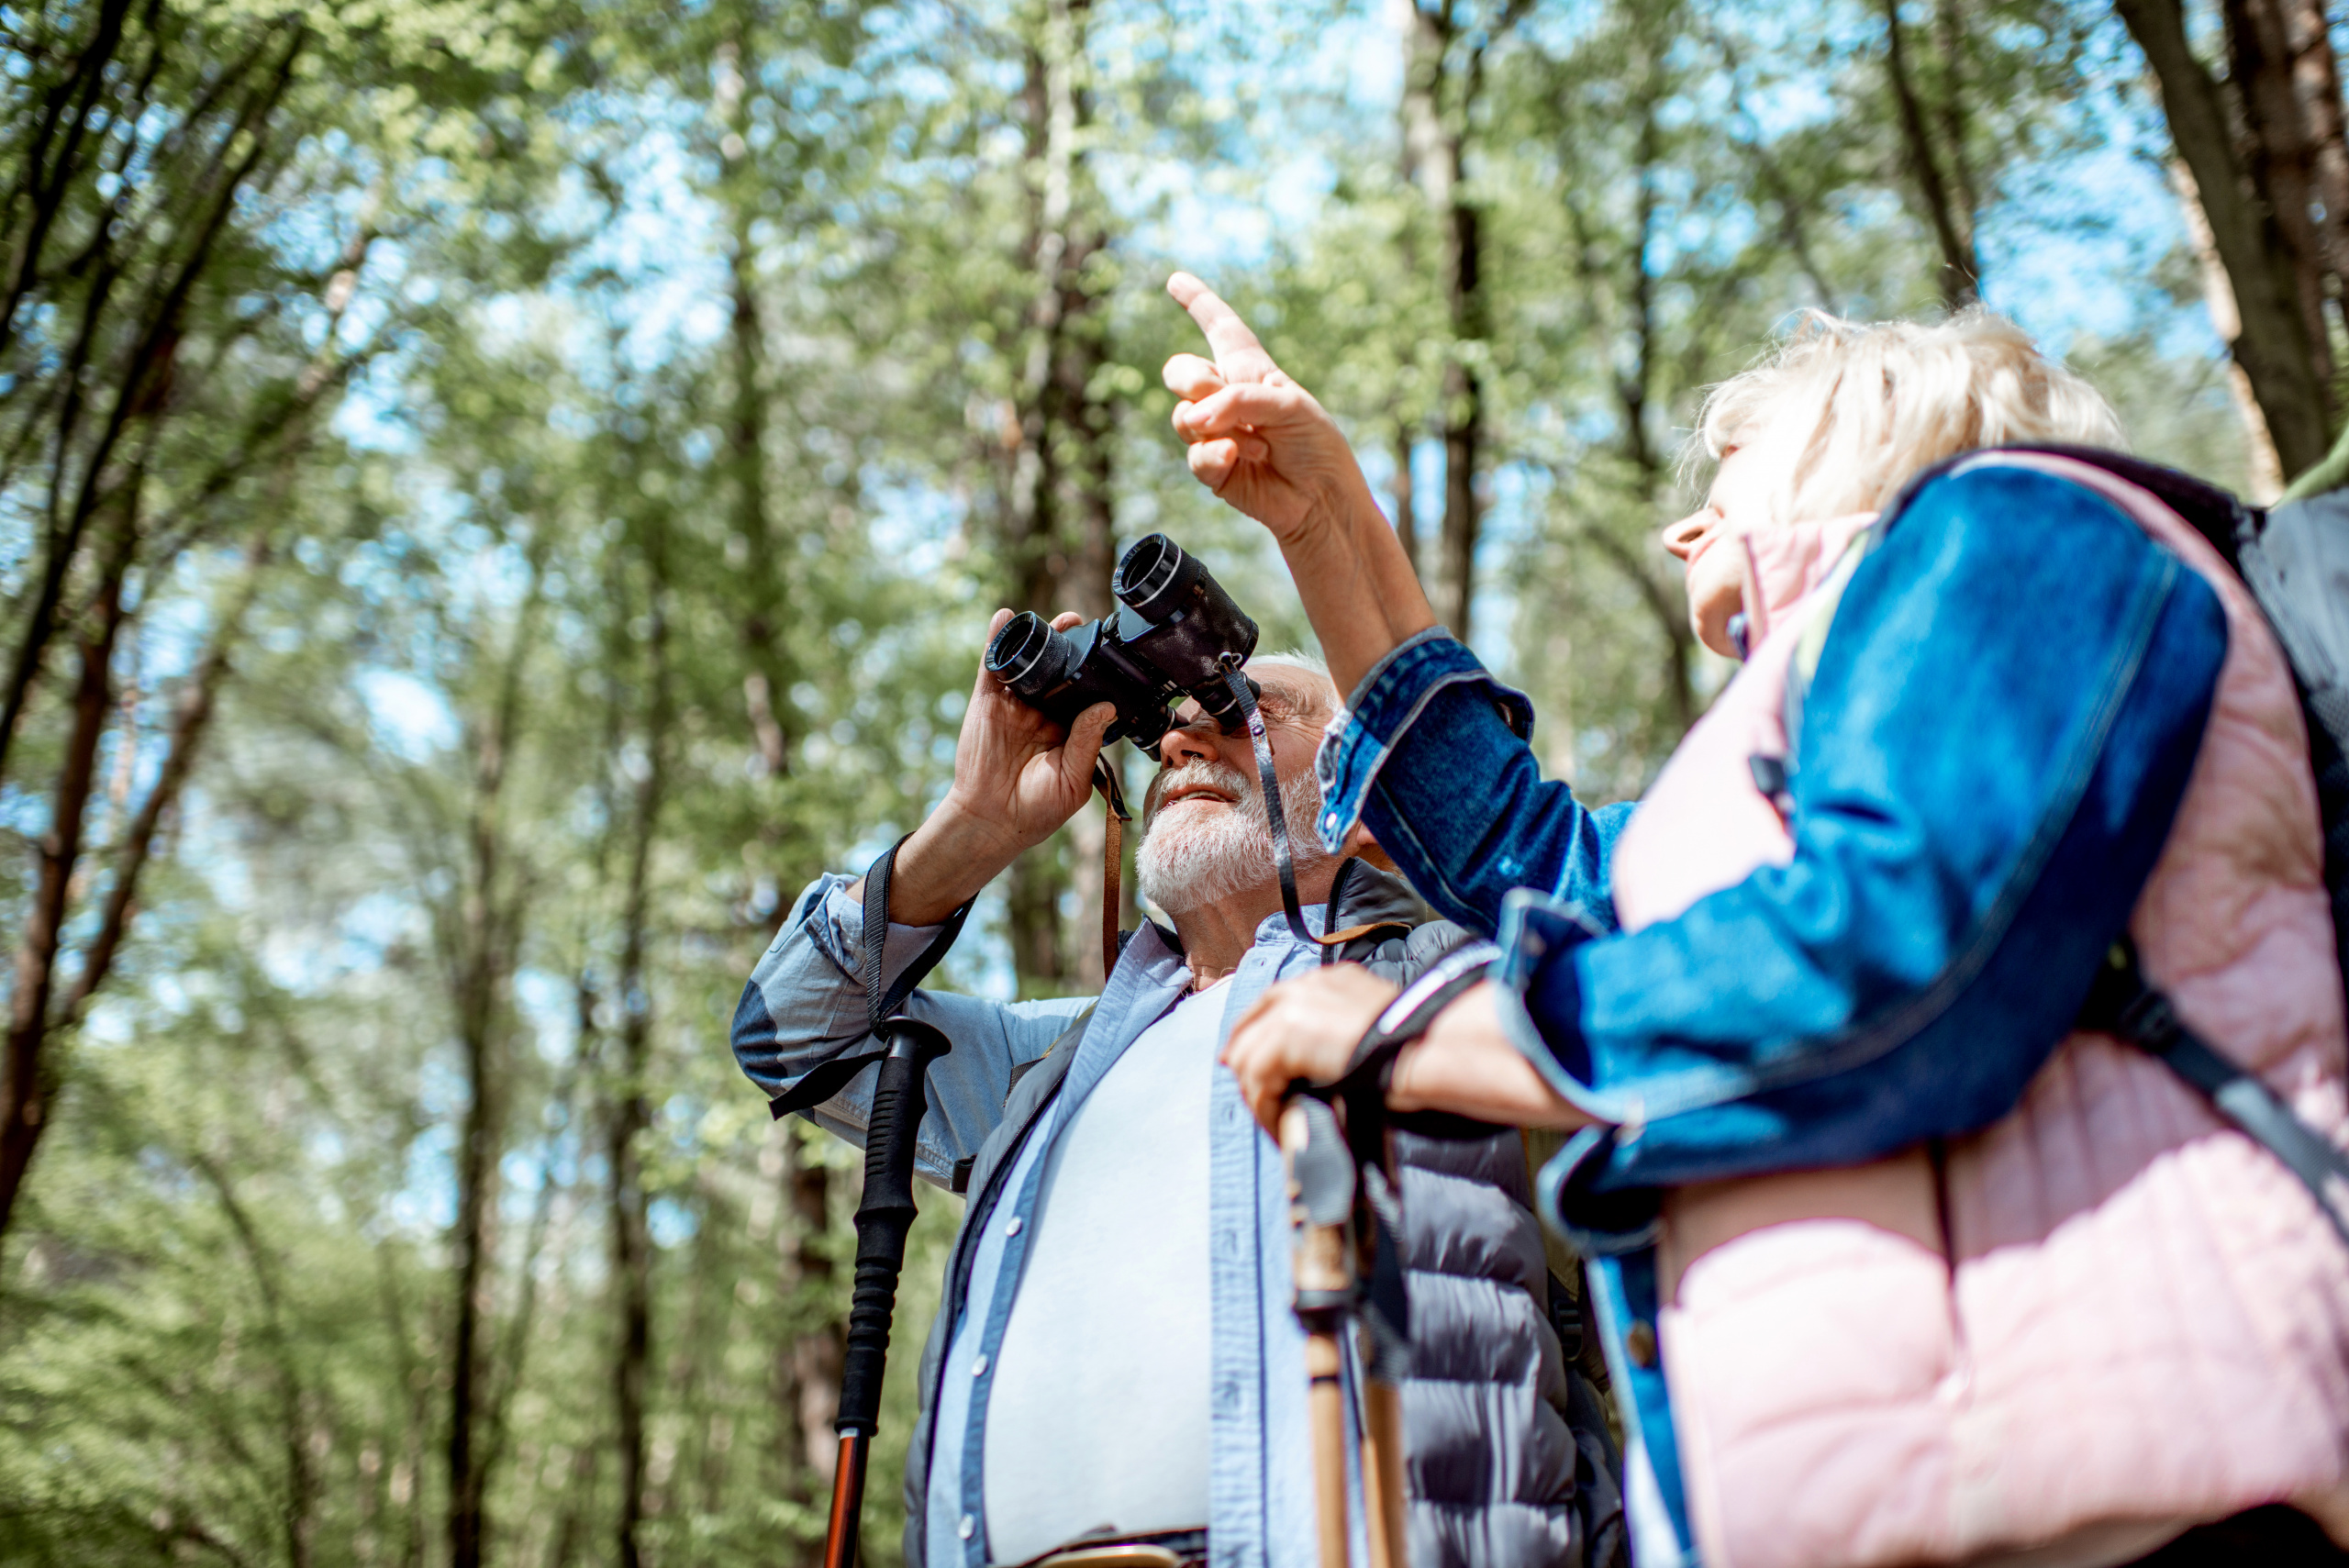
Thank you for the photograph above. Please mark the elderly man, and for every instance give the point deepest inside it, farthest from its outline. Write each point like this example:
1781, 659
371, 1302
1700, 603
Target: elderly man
1116, 1358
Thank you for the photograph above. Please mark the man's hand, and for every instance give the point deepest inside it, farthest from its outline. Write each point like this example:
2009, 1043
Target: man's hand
1017, 779
1257, 438
1303, 1028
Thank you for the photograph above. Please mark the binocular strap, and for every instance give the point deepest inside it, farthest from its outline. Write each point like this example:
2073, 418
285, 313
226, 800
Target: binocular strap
1113, 858
1275, 818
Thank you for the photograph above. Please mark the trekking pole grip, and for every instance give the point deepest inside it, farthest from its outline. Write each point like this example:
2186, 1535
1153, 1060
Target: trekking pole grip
884, 1215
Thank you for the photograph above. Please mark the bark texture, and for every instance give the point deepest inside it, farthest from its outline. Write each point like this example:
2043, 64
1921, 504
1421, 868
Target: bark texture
2286, 360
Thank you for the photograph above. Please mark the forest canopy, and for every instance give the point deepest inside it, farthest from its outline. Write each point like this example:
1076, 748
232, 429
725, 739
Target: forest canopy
495, 496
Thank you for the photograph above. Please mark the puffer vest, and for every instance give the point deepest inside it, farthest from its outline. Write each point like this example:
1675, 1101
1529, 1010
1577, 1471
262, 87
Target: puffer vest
1508, 1459
2103, 1319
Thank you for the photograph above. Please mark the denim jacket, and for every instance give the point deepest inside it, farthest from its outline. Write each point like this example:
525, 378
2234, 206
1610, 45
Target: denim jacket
2004, 714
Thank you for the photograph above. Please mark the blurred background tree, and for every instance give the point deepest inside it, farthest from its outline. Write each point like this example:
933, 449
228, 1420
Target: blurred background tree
496, 495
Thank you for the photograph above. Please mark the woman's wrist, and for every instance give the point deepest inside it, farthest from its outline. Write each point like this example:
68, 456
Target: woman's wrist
1359, 589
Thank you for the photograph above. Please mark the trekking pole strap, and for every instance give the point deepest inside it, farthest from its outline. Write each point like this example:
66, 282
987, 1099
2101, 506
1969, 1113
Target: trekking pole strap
2125, 1003
831, 1077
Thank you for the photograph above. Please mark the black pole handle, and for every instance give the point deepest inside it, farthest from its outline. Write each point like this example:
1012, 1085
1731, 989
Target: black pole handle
886, 1213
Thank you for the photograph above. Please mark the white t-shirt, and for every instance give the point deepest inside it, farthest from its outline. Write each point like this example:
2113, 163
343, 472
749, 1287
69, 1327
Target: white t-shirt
1099, 1410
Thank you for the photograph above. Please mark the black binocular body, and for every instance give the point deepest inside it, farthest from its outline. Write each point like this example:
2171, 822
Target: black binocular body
1173, 635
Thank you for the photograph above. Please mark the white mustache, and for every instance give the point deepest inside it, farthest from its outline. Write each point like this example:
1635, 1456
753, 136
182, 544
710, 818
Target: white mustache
1200, 771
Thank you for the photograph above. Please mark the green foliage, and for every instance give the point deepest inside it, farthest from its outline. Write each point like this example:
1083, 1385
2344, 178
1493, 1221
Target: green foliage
612, 414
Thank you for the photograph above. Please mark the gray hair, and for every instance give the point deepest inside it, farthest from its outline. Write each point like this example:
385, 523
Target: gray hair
1313, 665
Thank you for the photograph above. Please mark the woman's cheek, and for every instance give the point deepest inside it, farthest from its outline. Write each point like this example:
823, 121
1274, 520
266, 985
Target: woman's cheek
1715, 593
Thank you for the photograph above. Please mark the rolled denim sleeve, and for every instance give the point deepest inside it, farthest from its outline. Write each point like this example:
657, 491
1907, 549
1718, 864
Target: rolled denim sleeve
805, 1006
1428, 720
2004, 717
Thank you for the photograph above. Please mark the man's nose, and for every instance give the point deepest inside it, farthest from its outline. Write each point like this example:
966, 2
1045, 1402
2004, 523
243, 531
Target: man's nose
1185, 743
1683, 538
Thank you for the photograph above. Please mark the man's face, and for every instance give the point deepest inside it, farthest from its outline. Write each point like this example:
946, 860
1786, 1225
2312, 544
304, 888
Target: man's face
1205, 834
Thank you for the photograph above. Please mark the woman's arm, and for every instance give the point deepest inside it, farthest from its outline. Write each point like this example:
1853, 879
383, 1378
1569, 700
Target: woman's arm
1423, 716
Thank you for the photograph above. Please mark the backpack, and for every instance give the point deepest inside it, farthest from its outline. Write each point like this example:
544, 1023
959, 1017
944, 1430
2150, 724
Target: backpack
2294, 559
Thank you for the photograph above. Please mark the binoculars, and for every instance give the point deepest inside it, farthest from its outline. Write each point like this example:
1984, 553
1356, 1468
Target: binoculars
1173, 635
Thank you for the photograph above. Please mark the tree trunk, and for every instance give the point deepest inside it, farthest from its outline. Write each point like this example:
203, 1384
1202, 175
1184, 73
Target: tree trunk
1435, 133
1961, 276
632, 1239
1432, 161
485, 956
1058, 523
809, 1333
2263, 470
2272, 344
2280, 156
767, 679
33, 1075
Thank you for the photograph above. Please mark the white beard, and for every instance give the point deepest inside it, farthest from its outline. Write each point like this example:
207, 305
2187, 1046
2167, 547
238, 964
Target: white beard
1203, 853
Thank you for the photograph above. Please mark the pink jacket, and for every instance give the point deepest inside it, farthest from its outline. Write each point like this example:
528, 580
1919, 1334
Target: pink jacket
2135, 1320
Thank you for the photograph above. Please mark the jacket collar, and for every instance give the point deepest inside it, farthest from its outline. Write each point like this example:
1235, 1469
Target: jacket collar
1784, 564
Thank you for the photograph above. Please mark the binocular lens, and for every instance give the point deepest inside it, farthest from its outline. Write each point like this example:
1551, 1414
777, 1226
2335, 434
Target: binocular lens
1150, 577
1028, 656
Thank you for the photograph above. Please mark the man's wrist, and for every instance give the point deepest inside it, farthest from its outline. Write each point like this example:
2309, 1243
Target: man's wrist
953, 854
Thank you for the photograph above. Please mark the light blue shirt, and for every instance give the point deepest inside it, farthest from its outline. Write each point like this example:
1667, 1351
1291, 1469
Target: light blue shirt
805, 1006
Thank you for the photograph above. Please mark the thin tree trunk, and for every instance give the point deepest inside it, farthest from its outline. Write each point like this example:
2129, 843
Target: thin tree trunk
32, 1073
485, 958
191, 715
1058, 520
1407, 521
1961, 271
810, 1337
632, 1239
1435, 143
2273, 345
767, 681
298, 1507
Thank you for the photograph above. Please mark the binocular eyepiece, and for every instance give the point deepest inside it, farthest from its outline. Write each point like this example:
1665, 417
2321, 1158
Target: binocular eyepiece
1171, 638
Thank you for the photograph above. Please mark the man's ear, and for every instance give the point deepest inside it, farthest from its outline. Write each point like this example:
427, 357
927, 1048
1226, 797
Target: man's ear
1360, 842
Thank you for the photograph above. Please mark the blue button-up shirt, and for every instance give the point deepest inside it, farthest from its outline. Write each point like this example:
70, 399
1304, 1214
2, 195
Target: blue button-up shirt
805, 1006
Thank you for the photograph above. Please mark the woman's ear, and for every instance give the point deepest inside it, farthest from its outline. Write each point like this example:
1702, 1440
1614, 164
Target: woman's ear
1359, 843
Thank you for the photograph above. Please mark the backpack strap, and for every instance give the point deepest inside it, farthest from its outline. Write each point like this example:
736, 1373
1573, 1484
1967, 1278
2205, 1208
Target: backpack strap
2122, 1003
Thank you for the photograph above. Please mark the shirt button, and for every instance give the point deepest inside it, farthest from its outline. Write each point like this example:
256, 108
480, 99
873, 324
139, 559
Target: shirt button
979, 1367
967, 1528
1639, 1343
1013, 1229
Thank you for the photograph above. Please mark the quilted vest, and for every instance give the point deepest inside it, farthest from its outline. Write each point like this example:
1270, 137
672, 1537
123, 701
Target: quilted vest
2101, 1319
1506, 1467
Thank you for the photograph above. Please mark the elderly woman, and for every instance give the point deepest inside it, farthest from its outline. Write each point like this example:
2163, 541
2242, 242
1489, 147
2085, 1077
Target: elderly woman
1895, 1263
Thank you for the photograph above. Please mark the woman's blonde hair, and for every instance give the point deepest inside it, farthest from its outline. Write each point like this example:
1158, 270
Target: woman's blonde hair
1876, 404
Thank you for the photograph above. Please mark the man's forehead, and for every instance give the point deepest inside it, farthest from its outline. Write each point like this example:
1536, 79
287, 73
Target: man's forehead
1284, 687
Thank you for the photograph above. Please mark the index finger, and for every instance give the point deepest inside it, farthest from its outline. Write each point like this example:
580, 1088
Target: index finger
1238, 354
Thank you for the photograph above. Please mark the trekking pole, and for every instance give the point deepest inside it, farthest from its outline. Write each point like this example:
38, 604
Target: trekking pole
1382, 1471
1322, 1201
883, 1217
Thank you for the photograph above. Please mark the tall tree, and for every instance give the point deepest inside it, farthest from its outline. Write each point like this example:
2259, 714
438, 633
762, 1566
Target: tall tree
1446, 47
2281, 342
1937, 163
1057, 520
